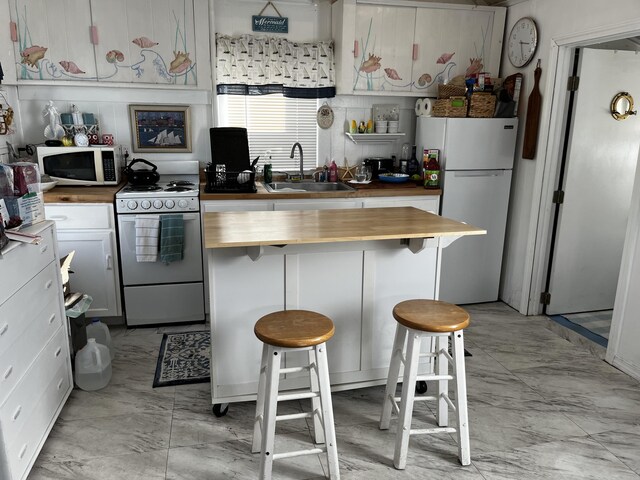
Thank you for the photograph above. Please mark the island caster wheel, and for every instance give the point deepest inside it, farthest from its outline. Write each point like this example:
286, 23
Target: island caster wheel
421, 386
220, 409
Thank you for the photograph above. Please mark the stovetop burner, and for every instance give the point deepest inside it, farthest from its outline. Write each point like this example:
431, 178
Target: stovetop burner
179, 183
171, 188
141, 188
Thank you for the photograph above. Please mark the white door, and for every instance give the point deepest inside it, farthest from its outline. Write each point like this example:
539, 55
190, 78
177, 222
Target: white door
599, 172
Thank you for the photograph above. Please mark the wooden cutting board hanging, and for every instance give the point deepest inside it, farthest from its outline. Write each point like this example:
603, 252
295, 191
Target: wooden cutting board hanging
533, 117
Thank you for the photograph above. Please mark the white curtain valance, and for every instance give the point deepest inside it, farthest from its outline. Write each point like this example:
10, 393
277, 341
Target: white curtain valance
250, 60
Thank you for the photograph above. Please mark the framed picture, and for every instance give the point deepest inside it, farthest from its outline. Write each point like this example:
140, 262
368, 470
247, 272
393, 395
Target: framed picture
160, 128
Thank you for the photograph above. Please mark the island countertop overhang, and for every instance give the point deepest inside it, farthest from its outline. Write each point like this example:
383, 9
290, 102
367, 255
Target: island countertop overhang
264, 228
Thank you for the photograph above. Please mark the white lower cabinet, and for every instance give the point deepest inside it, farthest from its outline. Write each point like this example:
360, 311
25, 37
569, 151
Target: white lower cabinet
35, 365
89, 230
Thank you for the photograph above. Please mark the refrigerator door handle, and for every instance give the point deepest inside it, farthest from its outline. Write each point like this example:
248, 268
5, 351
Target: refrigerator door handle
477, 173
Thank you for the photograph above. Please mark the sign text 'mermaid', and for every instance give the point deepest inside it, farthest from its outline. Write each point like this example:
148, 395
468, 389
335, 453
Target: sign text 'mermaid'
261, 23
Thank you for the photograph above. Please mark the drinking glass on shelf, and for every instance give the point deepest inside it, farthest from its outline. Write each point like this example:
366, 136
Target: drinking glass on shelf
368, 173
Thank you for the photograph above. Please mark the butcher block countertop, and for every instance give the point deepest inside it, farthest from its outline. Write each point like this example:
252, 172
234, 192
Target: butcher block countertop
373, 189
261, 228
80, 194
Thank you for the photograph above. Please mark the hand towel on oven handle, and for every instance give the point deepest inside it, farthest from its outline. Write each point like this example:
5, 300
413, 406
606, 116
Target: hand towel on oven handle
147, 235
171, 237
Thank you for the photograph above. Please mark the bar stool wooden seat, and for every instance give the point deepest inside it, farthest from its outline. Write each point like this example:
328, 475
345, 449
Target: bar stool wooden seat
282, 332
438, 321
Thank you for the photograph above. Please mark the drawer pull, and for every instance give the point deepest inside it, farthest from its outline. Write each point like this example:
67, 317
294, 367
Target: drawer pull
60, 383
58, 218
44, 248
7, 374
17, 413
4, 329
58, 351
52, 318
23, 450
47, 285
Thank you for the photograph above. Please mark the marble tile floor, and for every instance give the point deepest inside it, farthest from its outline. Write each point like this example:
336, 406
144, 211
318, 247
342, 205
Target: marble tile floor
540, 407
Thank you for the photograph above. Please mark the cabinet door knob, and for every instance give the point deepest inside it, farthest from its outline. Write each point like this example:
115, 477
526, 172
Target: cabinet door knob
4, 329
109, 261
57, 354
60, 383
414, 54
23, 450
47, 285
355, 49
16, 414
44, 248
7, 374
52, 318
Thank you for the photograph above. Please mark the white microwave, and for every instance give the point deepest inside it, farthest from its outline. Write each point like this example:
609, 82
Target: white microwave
80, 165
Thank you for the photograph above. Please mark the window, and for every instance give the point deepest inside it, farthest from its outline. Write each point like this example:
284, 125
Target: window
274, 123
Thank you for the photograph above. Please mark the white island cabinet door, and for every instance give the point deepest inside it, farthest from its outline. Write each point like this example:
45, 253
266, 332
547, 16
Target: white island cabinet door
383, 55
52, 40
146, 41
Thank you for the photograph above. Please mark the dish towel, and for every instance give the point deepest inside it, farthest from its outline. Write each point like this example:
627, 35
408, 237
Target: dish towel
171, 237
147, 234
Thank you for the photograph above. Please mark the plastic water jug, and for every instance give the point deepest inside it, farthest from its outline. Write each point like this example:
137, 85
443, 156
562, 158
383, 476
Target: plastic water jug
93, 366
98, 330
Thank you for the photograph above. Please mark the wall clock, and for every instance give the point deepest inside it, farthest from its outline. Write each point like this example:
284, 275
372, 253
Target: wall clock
523, 41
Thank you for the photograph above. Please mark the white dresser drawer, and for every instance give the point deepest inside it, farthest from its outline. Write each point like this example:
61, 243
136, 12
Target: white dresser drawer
18, 358
84, 216
28, 441
20, 405
24, 263
22, 309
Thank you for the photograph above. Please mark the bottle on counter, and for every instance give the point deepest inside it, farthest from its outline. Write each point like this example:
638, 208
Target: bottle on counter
413, 166
325, 173
432, 169
333, 172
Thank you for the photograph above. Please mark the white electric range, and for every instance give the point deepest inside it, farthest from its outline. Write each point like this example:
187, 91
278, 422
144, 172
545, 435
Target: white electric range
155, 292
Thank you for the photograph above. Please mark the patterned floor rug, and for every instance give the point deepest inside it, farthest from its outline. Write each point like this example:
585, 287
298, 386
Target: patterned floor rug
184, 358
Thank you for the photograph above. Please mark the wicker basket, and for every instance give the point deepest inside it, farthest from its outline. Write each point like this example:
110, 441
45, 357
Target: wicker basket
450, 107
448, 90
483, 105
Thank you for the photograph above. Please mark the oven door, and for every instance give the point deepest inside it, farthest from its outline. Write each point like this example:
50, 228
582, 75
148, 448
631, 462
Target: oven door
189, 269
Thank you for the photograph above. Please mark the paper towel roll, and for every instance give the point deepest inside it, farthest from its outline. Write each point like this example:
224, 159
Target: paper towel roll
419, 106
427, 106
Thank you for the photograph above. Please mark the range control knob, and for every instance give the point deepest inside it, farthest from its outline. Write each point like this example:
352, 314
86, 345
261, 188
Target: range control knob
146, 204
132, 204
183, 203
157, 204
169, 204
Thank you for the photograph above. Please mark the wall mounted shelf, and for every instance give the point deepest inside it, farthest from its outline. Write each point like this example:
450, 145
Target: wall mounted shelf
374, 137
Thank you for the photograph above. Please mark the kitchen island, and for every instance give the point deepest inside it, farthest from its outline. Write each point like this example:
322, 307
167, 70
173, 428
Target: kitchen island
352, 265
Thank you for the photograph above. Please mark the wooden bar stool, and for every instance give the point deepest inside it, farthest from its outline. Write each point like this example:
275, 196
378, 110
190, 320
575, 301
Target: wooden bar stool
289, 331
438, 321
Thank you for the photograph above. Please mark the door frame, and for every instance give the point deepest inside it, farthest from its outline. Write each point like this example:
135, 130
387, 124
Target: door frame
546, 178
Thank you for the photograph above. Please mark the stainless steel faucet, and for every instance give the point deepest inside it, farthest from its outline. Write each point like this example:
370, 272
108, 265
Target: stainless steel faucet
293, 149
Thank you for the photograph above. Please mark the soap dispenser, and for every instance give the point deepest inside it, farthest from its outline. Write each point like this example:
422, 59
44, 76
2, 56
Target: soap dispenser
333, 172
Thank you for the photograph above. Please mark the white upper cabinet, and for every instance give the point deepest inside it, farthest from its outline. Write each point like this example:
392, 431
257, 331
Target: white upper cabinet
409, 49
52, 40
383, 48
147, 41
125, 41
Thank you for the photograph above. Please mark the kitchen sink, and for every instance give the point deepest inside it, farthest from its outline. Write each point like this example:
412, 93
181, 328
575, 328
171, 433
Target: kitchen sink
298, 187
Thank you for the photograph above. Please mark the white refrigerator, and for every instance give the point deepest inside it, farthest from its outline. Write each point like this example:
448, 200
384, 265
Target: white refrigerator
476, 159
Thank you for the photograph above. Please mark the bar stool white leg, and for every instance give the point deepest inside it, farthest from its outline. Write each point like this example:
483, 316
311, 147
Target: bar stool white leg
316, 407
442, 366
392, 377
258, 421
406, 404
327, 411
270, 408
464, 450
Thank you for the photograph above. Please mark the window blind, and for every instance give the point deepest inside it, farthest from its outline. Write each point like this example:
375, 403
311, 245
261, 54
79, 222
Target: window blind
274, 123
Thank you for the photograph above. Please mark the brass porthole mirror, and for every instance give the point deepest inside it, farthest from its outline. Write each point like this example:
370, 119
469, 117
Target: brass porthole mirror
622, 106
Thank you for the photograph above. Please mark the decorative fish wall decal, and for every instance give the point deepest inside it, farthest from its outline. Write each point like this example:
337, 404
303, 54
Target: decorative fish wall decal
180, 63
371, 64
31, 55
